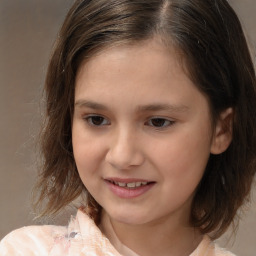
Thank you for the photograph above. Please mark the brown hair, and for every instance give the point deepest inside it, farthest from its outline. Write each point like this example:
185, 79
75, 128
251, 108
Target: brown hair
210, 38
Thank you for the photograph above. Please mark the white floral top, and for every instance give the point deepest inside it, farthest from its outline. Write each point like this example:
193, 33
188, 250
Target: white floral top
81, 237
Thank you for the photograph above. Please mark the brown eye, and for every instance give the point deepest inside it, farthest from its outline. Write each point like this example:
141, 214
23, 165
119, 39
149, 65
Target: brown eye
160, 122
97, 120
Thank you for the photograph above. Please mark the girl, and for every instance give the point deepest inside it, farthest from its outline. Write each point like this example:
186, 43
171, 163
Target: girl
150, 112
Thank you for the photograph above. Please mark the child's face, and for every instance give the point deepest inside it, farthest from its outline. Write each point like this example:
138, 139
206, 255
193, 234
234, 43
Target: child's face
138, 118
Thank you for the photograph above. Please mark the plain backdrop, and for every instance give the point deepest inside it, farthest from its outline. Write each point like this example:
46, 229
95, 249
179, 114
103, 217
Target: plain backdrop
28, 29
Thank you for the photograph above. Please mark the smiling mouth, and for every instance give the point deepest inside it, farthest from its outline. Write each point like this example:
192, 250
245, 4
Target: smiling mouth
130, 185
129, 188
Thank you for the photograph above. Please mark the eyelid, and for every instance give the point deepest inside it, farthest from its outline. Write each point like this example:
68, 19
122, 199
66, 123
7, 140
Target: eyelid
169, 120
87, 117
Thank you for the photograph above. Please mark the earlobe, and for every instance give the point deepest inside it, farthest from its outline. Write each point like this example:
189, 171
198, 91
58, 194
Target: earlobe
223, 132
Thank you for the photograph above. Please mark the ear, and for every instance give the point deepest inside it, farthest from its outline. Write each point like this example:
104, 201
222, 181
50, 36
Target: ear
222, 136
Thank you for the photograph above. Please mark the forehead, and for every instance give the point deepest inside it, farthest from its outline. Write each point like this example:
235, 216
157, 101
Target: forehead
158, 43
131, 77
153, 53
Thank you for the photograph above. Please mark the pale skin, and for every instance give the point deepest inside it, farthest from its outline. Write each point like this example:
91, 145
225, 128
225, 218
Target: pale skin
138, 116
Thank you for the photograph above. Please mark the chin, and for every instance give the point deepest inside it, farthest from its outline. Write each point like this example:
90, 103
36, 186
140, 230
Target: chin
131, 218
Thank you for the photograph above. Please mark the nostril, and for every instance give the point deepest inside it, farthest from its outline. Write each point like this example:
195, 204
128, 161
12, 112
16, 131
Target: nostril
124, 157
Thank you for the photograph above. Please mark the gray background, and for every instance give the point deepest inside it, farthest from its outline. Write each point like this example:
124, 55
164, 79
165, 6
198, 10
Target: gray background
27, 32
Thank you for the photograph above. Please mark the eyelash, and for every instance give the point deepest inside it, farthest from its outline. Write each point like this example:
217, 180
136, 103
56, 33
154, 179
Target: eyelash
165, 122
103, 121
89, 120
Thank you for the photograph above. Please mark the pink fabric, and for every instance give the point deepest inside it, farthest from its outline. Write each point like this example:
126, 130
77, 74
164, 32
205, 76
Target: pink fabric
81, 237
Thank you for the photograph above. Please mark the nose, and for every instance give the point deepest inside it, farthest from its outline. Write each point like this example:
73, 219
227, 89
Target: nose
124, 151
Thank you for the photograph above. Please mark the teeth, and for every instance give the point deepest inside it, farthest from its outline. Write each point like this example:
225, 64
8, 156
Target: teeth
131, 184
120, 184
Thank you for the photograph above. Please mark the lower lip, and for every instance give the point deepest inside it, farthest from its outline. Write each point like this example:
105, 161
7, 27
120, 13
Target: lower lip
125, 192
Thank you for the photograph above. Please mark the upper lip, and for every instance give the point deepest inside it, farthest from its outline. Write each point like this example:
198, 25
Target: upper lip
126, 180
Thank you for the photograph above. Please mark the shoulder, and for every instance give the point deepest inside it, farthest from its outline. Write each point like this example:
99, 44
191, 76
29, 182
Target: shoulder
32, 240
209, 248
222, 252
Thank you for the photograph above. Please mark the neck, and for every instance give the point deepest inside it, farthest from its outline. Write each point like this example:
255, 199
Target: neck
166, 236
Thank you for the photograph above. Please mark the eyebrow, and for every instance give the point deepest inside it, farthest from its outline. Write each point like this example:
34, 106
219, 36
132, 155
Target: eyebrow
144, 108
90, 104
166, 107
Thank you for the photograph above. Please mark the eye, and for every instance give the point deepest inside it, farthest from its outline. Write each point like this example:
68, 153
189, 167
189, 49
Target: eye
159, 122
96, 120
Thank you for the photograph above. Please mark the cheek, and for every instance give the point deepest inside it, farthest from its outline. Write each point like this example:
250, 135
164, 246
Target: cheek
87, 152
184, 157
87, 160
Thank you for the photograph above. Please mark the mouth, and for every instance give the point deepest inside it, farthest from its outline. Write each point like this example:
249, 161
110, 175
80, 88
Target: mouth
130, 185
129, 188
